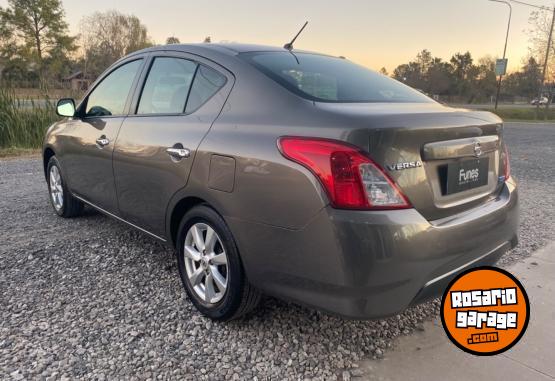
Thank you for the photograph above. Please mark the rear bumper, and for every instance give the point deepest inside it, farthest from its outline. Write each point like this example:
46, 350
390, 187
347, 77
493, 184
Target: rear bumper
373, 264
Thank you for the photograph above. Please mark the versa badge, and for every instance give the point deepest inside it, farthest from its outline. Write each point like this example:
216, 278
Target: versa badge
406, 165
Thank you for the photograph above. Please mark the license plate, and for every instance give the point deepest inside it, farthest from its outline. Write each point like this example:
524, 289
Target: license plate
467, 174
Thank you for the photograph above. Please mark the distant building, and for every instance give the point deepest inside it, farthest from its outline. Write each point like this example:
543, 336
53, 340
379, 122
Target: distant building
77, 81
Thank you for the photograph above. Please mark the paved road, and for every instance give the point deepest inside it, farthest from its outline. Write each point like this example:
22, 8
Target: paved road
91, 298
429, 355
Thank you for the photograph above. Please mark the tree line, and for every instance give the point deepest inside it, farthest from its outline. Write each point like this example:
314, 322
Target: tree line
466, 80
36, 46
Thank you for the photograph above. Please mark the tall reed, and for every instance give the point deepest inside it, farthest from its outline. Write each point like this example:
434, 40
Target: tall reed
23, 122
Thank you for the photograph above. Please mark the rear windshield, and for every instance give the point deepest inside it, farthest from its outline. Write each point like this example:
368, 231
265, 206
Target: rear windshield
330, 79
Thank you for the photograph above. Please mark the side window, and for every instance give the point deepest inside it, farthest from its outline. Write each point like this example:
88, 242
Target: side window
166, 88
109, 97
207, 83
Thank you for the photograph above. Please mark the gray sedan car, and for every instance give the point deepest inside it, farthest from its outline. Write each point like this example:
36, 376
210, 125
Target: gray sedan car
285, 172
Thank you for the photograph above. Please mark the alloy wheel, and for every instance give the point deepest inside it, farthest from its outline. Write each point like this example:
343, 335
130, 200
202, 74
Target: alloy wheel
206, 263
56, 189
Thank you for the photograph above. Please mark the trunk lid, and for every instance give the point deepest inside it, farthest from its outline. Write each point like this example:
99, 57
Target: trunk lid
429, 150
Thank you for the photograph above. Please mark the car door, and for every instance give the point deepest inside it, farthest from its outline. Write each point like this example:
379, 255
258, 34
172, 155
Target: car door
91, 136
180, 98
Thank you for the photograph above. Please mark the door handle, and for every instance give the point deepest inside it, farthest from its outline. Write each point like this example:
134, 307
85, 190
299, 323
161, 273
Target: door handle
178, 153
102, 142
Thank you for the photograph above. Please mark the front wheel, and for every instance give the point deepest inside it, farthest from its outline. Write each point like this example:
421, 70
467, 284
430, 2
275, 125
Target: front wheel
210, 267
63, 202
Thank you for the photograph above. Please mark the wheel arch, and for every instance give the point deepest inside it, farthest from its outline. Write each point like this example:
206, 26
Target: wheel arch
46, 156
178, 211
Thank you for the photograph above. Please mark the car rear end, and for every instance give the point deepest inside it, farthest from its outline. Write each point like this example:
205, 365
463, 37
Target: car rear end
435, 197
417, 192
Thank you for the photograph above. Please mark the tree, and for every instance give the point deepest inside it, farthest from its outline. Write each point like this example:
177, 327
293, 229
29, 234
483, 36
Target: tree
108, 36
410, 73
37, 28
415, 73
4, 43
424, 59
58, 65
540, 22
530, 79
172, 40
524, 83
440, 77
461, 65
481, 79
207, 40
460, 76
383, 71
5, 33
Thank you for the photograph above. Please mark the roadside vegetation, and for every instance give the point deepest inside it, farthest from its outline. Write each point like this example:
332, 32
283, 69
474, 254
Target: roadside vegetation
524, 114
23, 122
465, 80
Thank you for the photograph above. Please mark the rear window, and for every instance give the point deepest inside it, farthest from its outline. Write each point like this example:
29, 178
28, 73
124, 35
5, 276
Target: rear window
330, 79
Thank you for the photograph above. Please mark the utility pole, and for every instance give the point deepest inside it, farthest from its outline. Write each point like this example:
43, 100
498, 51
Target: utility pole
505, 49
548, 48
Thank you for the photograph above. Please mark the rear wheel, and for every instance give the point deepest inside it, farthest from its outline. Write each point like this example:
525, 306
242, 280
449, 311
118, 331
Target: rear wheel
210, 267
64, 204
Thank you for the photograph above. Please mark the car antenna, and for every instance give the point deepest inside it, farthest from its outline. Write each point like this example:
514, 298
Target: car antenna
289, 45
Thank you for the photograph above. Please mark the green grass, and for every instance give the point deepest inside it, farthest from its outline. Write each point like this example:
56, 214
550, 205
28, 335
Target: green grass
23, 126
524, 114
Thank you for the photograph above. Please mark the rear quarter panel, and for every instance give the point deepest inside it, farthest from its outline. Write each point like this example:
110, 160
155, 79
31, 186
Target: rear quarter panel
268, 188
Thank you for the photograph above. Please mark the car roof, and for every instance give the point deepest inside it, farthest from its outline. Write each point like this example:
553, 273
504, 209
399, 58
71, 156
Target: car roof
227, 48
244, 48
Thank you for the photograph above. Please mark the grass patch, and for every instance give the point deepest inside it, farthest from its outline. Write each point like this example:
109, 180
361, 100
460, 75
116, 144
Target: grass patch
23, 122
18, 152
524, 114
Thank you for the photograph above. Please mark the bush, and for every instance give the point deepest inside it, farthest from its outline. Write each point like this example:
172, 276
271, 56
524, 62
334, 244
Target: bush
23, 122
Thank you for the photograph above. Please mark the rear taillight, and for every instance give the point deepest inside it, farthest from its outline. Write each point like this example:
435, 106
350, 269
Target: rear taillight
506, 164
351, 179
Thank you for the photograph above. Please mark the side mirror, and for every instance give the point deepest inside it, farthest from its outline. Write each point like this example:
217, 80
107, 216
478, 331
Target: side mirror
65, 107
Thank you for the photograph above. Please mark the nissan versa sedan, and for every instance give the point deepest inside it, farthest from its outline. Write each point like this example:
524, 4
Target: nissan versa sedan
285, 172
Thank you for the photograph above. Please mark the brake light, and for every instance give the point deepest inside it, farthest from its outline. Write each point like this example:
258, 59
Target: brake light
506, 164
351, 179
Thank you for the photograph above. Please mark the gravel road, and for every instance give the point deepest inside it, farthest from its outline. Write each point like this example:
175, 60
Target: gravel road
91, 298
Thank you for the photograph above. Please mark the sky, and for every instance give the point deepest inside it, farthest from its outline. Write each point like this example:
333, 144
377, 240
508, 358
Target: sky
373, 33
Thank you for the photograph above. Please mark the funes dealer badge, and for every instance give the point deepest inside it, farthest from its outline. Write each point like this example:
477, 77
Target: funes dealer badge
485, 311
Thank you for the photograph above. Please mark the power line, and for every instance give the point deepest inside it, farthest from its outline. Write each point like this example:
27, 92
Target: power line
542, 7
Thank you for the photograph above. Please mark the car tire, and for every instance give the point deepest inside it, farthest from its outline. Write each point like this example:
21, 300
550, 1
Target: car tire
63, 202
216, 284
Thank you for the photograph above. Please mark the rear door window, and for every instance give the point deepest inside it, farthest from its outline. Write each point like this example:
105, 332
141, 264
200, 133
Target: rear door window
167, 86
207, 83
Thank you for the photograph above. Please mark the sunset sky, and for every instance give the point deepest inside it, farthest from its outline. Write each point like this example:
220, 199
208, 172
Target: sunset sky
373, 33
